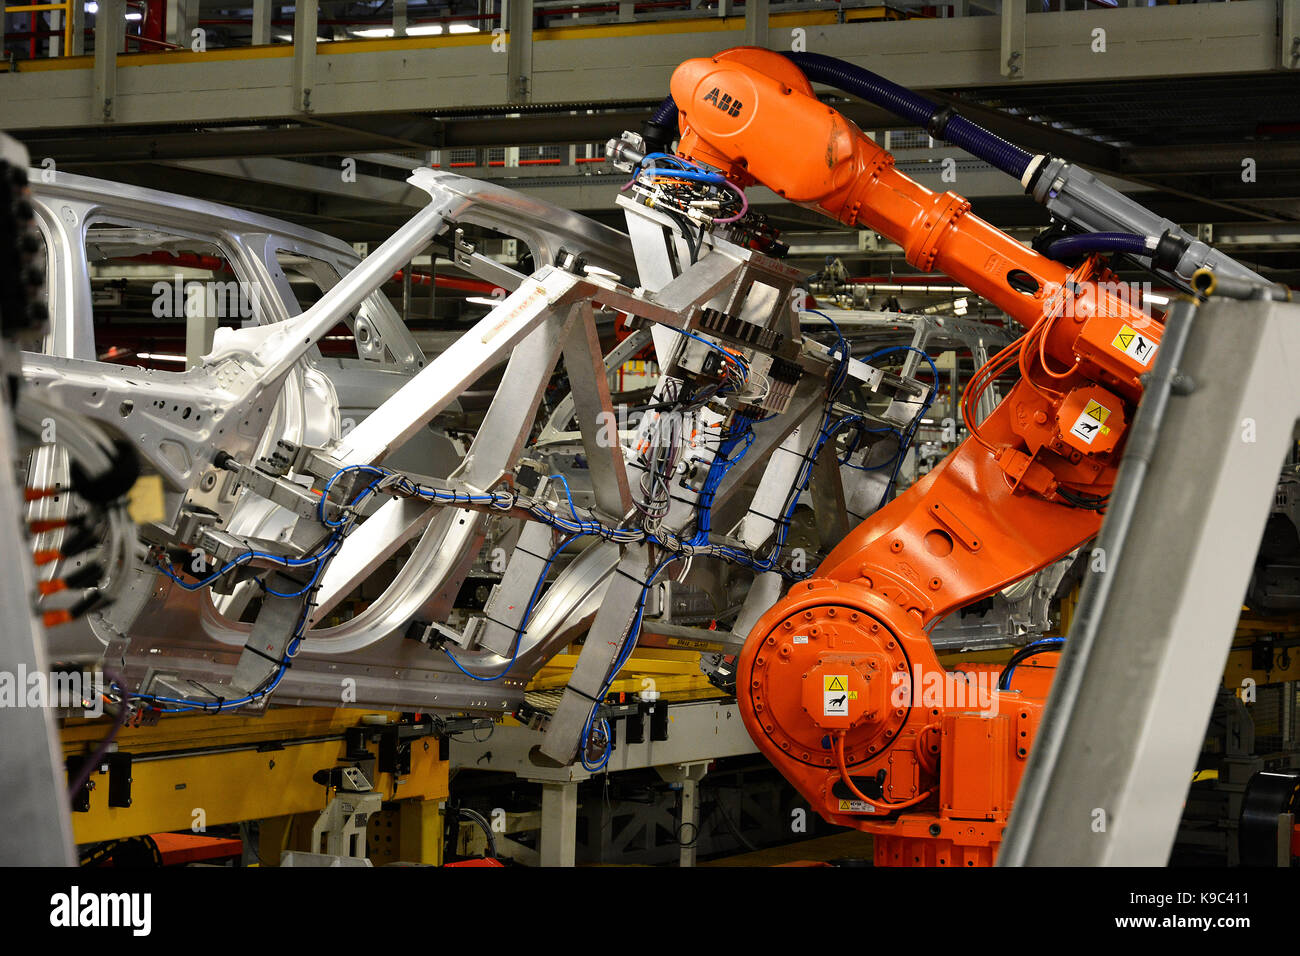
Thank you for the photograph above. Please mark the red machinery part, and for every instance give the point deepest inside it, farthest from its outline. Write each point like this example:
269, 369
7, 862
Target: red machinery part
482, 861
934, 781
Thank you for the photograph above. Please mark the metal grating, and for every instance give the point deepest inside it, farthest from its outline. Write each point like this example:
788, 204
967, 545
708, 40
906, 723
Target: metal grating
1159, 112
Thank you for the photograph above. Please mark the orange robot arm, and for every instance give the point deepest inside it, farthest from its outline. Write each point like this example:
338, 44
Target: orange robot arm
933, 779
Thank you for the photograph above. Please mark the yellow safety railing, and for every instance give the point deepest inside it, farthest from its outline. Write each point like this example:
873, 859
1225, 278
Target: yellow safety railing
66, 7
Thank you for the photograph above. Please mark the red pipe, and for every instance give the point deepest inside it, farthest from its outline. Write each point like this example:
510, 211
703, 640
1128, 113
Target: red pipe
188, 260
138, 38
449, 282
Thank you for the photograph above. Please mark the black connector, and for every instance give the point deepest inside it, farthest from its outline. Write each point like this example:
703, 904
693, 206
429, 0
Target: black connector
1169, 252
86, 604
422, 633
658, 137
84, 539
784, 371
939, 122
84, 577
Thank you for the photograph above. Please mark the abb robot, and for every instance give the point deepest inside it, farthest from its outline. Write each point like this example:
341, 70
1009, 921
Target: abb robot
833, 680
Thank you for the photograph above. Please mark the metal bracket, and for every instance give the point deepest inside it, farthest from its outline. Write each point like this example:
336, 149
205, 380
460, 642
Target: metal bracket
1012, 64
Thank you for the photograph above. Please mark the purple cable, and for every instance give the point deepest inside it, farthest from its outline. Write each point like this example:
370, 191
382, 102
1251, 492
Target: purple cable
744, 203
91, 762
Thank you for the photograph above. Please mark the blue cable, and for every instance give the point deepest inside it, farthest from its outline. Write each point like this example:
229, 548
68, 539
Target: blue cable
628, 646
234, 563
331, 546
523, 621
688, 174
320, 507
905, 440
843, 372
568, 493
718, 468
1004, 682
734, 359
679, 160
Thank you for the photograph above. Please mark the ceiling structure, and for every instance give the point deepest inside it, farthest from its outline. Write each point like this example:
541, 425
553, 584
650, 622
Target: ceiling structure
1220, 154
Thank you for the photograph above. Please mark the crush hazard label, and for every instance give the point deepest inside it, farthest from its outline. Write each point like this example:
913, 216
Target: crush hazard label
1092, 422
1135, 345
836, 695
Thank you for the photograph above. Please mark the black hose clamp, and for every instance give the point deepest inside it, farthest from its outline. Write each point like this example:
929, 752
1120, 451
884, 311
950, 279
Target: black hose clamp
1169, 252
939, 121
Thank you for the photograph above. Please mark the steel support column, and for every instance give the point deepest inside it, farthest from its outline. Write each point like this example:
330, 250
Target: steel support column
108, 40
559, 839
1288, 12
304, 53
1012, 65
77, 47
262, 10
519, 52
688, 815
756, 22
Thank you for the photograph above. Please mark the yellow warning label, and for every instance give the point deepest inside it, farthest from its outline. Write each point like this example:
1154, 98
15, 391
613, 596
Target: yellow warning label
1098, 411
1135, 345
856, 806
834, 681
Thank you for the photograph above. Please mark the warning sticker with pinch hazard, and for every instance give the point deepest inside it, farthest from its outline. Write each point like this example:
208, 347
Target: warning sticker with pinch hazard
835, 695
1092, 422
1135, 345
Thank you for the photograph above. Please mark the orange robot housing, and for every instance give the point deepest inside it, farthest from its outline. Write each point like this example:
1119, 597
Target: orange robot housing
876, 734
838, 682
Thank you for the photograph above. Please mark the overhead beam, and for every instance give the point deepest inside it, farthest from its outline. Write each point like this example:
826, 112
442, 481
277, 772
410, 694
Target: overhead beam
568, 67
317, 179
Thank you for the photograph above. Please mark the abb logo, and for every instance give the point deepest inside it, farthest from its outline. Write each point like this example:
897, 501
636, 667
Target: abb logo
724, 102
